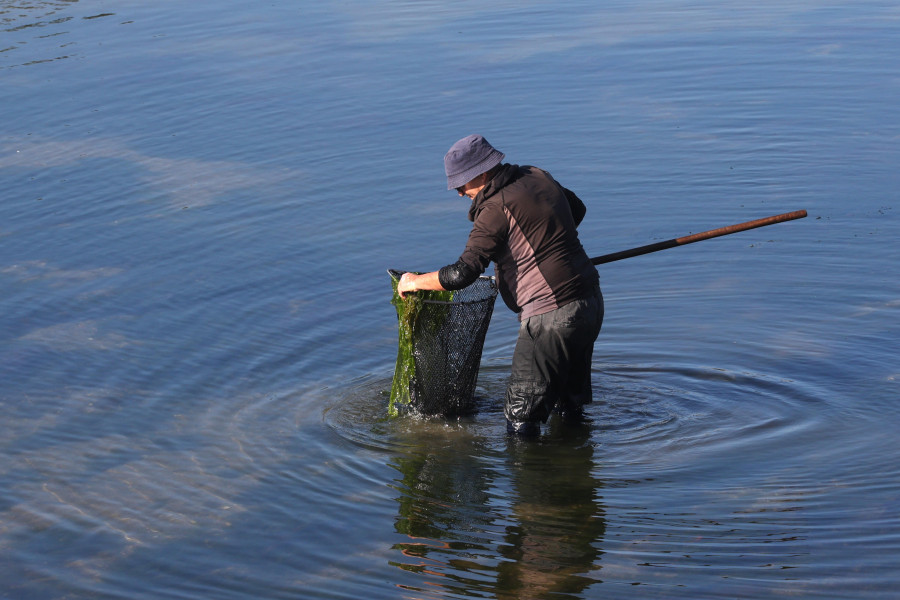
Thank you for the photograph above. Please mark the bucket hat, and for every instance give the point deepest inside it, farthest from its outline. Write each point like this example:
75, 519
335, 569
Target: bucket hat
468, 158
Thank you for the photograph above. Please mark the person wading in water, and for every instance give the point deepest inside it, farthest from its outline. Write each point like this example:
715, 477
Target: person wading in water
525, 223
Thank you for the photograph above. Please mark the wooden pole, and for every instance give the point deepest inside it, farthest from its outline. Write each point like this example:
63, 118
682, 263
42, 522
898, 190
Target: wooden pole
696, 237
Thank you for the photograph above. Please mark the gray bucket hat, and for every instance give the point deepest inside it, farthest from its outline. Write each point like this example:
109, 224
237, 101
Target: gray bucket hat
468, 158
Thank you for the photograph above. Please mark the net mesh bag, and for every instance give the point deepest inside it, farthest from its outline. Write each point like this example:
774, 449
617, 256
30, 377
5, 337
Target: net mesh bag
441, 338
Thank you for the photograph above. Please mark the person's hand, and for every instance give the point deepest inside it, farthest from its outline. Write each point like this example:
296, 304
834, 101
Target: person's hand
406, 284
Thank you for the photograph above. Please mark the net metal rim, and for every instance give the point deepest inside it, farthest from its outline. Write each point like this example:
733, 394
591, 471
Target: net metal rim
394, 273
459, 302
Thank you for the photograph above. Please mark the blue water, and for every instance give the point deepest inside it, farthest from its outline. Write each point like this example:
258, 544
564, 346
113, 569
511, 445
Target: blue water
200, 201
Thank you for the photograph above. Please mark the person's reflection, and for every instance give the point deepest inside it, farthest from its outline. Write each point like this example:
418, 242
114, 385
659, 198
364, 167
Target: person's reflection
526, 527
559, 522
444, 506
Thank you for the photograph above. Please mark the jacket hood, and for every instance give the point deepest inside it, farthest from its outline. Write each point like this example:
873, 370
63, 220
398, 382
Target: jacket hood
506, 175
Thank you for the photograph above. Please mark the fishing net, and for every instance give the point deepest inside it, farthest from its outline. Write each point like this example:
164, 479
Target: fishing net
441, 337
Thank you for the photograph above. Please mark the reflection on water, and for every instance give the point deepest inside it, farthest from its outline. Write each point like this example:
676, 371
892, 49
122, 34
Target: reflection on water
680, 481
554, 543
524, 520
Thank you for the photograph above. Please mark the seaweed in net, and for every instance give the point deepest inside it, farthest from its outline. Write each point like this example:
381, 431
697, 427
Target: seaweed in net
441, 337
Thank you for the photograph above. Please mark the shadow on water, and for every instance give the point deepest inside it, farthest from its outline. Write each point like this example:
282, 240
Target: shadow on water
500, 518
479, 513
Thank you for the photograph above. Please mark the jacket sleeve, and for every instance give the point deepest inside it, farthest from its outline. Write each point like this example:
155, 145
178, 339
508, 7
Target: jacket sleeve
576, 206
488, 236
457, 276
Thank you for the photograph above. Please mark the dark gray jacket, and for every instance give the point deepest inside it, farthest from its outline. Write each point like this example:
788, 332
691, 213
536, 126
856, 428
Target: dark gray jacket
525, 222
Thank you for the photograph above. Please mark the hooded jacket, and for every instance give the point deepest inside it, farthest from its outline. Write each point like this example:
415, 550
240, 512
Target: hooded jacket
525, 222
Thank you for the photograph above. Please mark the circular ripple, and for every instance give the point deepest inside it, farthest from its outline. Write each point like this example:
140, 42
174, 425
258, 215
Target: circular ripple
358, 413
663, 407
699, 417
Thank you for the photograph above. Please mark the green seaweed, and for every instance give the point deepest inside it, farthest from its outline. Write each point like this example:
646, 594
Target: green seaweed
409, 310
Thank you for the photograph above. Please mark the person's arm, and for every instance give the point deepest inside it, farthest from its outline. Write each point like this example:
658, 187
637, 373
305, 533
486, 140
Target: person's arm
483, 239
410, 282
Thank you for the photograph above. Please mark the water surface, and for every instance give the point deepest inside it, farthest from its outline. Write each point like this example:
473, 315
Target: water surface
196, 343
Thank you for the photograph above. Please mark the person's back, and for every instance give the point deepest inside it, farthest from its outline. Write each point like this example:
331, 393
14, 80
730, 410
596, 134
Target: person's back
541, 264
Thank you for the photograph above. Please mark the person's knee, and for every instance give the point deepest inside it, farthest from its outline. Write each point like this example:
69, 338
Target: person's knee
528, 401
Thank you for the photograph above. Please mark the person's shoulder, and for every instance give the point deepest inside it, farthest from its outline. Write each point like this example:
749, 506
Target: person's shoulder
532, 172
530, 178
